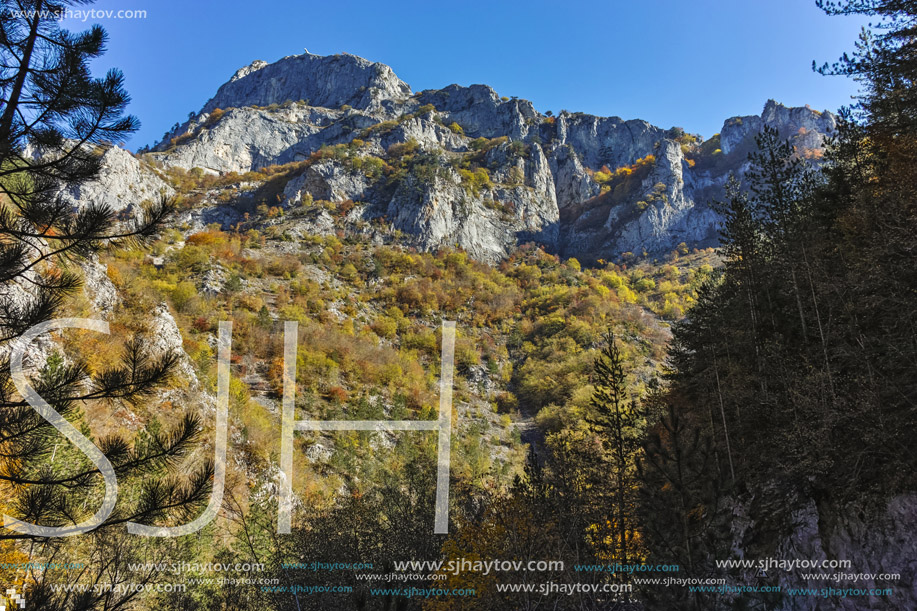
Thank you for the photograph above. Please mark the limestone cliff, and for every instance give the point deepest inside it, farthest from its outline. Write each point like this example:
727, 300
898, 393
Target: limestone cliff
553, 180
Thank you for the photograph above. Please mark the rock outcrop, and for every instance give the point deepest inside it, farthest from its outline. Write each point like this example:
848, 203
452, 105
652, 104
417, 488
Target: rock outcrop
97, 287
488, 223
875, 540
326, 81
805, 127
123, 184
329, 181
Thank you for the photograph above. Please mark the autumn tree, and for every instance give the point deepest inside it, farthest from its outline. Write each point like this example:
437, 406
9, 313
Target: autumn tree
618, 423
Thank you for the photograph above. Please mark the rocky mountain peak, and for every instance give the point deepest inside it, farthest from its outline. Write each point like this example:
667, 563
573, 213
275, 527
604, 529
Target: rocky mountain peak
805, 126
328, 81
244, 71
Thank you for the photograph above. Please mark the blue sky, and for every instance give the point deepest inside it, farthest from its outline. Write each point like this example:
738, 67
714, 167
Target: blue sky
687, 63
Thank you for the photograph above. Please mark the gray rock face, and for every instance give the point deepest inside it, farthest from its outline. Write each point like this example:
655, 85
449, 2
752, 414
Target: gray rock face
542, 170
316, 222
248, 138
123, 184
572, 184
489, 222
805, 127
874, 543
481, 112
165, 337
660, 215
326, 81
671, 215
607, 141
429, 134
329, 181
97, 286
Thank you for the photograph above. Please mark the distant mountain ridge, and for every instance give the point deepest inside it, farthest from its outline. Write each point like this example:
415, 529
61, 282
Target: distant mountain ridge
580, 185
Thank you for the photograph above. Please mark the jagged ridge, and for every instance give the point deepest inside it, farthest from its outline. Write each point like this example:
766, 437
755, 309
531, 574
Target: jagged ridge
544, 185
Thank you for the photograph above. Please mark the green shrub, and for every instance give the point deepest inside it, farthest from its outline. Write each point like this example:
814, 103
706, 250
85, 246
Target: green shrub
402, 149
385, 326
506, 402
184, 295
518, 148
476, 181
